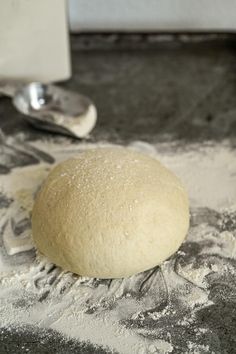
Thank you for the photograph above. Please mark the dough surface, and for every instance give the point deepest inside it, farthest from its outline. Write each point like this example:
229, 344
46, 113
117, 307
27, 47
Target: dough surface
110, 213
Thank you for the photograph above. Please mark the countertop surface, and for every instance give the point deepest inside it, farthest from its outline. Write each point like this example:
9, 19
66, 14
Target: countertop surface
150, 86
158, 90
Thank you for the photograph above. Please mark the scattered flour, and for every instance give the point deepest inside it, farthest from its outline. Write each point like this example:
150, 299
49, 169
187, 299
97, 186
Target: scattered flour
112, 313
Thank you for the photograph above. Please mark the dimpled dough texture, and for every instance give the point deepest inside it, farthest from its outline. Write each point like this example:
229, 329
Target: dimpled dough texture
110, 213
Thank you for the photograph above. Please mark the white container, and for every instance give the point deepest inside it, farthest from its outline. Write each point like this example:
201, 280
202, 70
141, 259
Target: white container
34, 40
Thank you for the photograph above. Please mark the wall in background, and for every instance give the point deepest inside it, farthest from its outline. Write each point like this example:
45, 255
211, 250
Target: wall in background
152, 15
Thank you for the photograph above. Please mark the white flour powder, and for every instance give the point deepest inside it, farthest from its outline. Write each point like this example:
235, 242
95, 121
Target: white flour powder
107, 312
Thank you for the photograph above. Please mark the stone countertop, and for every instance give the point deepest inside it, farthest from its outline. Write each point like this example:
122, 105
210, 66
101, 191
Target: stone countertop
155, 89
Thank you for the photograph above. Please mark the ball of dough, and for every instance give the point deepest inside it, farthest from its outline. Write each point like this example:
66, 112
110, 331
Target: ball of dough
110, 213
